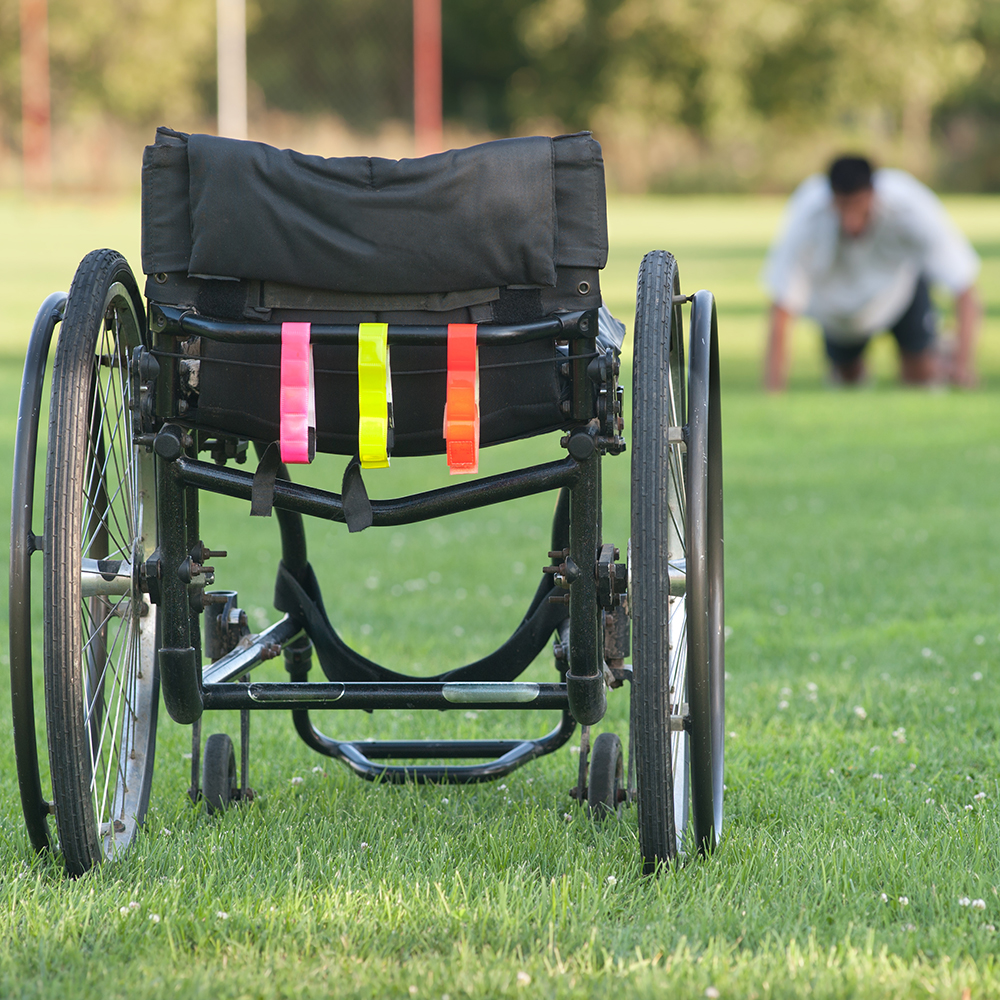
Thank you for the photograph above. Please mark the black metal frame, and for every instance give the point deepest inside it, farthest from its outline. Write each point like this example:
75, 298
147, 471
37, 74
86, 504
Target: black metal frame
189, 689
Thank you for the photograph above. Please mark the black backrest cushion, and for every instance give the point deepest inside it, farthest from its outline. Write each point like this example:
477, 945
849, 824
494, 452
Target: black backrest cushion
501, 213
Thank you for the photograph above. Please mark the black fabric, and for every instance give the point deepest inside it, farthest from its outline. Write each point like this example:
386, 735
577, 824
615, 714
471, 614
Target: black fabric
166, 204
239, 387
354, 497
262, 488
502, 213
300, 597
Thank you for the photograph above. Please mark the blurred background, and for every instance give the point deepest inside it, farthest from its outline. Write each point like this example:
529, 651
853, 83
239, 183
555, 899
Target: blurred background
685, 96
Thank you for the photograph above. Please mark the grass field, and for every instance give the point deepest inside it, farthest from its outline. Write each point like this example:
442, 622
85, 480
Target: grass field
860, 855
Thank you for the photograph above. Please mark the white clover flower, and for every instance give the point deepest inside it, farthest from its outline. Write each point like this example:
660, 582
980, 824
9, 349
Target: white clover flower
444, 801
979, 640
166, 832
523, 979
364, 845
155, 917
979, 904
567, 817
964, 901
884, 898
711, 992
317, 770
782, 705
926, 653
574, 749
471, 715
979, 796
876, 776
222, 915
860, 712
611, 880
133, 905
124, 911
812, 686
899, 735
977, 676
297, 780
904, 900
969, 808
785, 692
831, 771
412, 991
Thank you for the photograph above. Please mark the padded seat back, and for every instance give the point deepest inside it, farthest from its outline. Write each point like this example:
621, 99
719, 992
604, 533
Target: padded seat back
513, 212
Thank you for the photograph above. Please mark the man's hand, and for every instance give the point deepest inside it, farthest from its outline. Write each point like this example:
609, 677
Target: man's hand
968, 315
776, 358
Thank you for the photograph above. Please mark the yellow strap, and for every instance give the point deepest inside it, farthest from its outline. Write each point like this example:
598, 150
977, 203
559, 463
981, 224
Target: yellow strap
374, 395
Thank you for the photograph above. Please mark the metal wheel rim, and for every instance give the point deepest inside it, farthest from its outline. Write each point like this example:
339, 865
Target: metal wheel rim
118, 624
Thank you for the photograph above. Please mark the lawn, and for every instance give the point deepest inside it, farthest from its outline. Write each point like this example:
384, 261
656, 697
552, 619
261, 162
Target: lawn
860, 848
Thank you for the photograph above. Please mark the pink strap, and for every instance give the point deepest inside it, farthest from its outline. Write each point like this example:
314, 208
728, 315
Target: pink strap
297, 402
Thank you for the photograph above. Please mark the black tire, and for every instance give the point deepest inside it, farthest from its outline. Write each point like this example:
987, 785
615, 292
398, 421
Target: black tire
607, 777
101, 681
218, 782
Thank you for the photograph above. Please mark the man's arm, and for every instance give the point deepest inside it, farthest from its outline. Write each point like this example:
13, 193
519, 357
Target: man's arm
776, 358
968, 315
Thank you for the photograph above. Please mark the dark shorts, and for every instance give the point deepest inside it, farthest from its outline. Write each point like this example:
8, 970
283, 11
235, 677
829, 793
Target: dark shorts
915, 331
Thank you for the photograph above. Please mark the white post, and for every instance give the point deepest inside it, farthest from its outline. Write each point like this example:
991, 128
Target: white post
232, 61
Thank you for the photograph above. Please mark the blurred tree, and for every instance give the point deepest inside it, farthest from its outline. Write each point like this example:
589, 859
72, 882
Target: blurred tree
968, 122
717, 66
353, 58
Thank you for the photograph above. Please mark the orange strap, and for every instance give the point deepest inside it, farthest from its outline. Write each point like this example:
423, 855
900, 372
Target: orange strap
461, 409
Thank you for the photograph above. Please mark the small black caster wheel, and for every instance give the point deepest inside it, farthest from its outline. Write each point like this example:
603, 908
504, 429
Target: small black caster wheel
218, 783
607, 777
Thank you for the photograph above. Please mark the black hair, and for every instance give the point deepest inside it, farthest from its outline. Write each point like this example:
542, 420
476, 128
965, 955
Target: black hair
849, 174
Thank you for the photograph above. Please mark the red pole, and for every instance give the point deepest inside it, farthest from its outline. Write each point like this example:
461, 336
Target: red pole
427, 123
36, 117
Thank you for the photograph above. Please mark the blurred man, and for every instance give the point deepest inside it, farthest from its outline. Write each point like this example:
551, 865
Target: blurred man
858, 252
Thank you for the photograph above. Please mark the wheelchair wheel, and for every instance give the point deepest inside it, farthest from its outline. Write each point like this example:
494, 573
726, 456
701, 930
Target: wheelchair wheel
218, 784
101, 681
607, 777
672, 710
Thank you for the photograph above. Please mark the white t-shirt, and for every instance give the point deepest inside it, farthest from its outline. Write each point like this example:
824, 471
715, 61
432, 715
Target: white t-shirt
855, 287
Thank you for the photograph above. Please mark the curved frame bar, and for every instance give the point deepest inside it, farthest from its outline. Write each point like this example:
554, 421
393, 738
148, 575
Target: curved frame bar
175, 320
513, 754
23, 542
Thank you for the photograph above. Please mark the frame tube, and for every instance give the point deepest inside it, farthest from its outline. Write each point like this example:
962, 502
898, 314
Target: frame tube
405, 510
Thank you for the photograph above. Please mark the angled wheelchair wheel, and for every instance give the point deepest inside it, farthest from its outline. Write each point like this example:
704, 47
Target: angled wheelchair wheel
100, 631
607, 777
673, 713
705, 577
218, 783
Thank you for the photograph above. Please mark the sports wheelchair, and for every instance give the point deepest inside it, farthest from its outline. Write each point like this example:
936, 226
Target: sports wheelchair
279, 286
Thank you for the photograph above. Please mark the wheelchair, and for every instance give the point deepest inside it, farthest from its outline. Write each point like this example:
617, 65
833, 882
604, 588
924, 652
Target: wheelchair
371, 309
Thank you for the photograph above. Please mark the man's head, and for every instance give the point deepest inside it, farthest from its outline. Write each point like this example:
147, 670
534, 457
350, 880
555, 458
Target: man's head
853, 194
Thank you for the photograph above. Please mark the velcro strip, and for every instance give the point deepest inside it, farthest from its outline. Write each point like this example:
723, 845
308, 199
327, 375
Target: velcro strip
461, 410
297, 399
374, 395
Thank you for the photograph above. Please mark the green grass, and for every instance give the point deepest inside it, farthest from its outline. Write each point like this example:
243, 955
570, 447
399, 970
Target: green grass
863, 572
